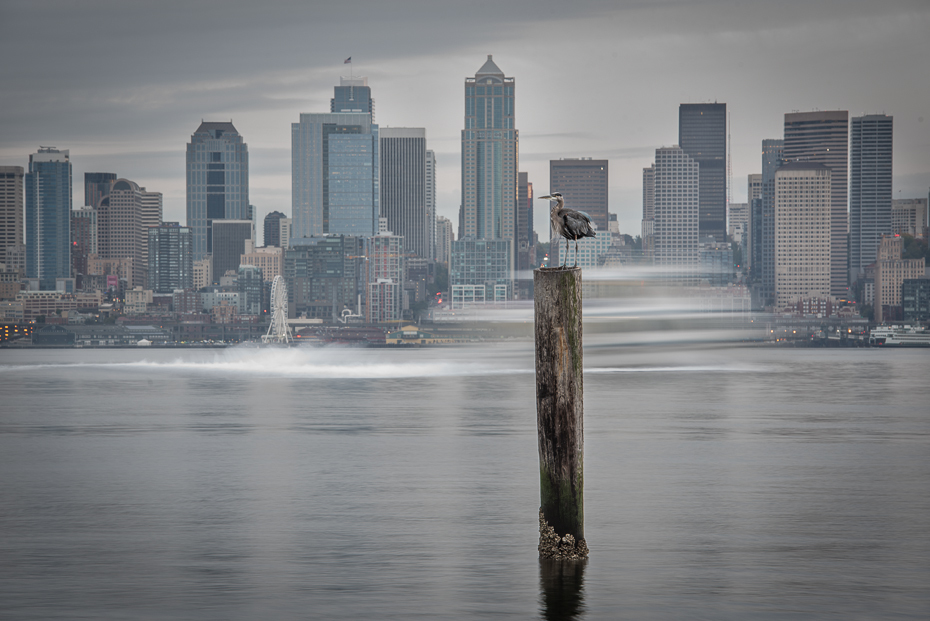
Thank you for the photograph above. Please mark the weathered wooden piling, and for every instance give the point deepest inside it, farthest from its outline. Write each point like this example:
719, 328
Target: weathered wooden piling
560, 412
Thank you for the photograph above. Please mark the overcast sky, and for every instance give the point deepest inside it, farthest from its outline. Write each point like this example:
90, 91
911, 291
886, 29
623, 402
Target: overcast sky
124, 84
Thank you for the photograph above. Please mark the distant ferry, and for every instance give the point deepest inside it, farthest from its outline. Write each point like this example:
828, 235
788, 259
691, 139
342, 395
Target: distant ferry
899, 336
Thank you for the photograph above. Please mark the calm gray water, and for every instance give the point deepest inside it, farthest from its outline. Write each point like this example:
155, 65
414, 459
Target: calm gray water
721, 483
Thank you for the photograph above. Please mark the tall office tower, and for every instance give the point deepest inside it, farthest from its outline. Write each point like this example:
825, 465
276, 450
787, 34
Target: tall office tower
526, 253
335, 174
803, 215
403, 187
229, 237
444, 238
649, 214
909, 217
83, 238
272, 233
353, 95
48, 216
171, 257
151, 216
386, 276
217, 181
752, 243
823, 137
583, 184
772, 157
702, 134
431, 199
96, 186
677, 204
869, 189
11, 208
490, 157
120, 233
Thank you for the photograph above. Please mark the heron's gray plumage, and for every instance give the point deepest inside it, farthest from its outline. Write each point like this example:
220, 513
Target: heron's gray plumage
569, 223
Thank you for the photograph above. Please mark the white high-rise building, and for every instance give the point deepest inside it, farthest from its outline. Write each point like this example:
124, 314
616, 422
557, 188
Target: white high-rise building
803, 218
676, 209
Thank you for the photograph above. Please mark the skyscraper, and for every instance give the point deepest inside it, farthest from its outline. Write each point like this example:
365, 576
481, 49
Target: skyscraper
171, 258
752, 247
431, 199
490, 157
11, 208
583, 184
403, 187
702, 134
649, 213
83, 239
96, 186
335, 174
526, 254
217, 181
444, 239
869, 189
677, 179
122, 216
272, 227
772, 157
823, 137
802, 232
48, 216
229, 237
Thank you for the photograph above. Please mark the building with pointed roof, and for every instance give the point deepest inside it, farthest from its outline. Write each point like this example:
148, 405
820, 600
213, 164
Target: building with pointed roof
217, 181
490, 157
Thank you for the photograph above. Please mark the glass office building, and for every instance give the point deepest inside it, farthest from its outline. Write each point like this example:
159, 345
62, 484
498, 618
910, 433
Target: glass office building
217, 181
335, 175
702, 134
48, 216
490, 157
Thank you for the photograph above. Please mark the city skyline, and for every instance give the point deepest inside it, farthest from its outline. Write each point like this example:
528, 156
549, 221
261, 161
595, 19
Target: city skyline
763, 63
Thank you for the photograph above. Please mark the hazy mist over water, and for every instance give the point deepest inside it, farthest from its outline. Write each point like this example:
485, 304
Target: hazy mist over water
721, 482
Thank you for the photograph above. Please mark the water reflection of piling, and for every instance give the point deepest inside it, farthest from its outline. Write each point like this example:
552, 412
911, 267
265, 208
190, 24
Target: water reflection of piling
561, 586
560, 412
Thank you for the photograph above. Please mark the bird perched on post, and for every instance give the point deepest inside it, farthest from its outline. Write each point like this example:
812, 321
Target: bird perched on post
568, 223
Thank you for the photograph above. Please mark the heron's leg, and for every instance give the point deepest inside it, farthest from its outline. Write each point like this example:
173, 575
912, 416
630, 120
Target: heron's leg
576, 252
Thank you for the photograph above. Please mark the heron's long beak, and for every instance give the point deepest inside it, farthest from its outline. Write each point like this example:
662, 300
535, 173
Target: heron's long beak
542, 197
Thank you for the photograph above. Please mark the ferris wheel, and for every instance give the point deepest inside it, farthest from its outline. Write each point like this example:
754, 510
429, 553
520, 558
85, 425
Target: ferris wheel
278, 331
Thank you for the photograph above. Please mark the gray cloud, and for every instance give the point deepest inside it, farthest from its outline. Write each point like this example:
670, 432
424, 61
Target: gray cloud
123, 84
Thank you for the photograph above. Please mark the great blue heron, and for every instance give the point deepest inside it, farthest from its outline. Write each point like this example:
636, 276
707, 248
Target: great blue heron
568, 223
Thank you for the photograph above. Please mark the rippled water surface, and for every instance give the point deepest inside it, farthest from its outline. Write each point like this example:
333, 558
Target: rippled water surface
720, 483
